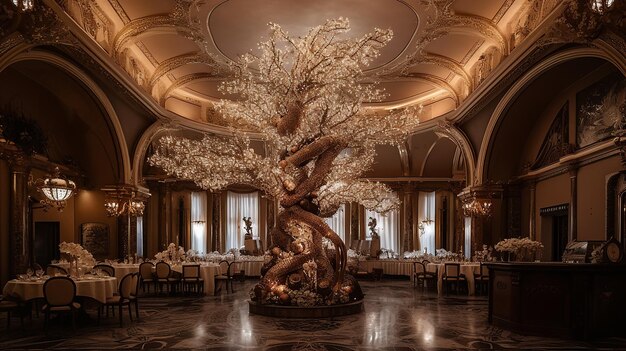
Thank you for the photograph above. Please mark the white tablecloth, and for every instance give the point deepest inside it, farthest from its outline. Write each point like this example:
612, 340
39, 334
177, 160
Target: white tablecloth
468, 269
207, 272
96, 288
251, 268
389, 267
121, 269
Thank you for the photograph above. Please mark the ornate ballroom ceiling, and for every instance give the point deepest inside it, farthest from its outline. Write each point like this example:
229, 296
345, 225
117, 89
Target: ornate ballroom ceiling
177, 51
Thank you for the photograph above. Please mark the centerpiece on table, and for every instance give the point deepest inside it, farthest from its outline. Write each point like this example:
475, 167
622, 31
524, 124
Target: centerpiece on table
172, 254
76, 256
523, 249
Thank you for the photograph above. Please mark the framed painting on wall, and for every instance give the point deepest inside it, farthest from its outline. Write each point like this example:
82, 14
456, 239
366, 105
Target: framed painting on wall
600, 110
95, 238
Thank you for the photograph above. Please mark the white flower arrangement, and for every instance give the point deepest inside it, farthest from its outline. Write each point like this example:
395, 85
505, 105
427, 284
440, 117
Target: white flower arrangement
77, 252
172, 253
519, 245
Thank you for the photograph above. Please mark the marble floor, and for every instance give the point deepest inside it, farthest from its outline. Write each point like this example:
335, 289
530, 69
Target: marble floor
396, 317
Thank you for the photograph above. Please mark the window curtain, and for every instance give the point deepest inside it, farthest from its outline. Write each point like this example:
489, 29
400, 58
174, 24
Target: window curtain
338, 222
238, 206
139, 236
387, 227
467, 249
426, 218
198, 221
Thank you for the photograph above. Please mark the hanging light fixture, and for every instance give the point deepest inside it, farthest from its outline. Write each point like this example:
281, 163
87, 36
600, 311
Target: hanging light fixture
57, 190
24, 5
125, 200
477, 208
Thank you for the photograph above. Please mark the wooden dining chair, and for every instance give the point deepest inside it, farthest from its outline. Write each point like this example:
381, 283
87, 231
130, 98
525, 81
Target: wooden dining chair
224, 278
452, 276
146, 276
164, 276
481, 280
12, 306
123, 298
421, 277
59, 294
191, 279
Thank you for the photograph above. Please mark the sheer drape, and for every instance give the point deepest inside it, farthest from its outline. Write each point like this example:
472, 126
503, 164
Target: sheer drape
239, 206
426, 218
198, 221
387, 227
139, 236
338, 222
467, 249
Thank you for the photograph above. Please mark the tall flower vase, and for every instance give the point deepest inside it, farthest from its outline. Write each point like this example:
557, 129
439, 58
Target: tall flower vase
74, 271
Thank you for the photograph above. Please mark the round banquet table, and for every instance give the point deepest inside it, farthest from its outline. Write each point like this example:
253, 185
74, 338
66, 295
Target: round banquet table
389, 267
251, 268
97, 288
208, 271
121, 269
468, 269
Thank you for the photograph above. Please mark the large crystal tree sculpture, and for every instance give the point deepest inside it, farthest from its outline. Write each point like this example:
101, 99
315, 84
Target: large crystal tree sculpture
304, 96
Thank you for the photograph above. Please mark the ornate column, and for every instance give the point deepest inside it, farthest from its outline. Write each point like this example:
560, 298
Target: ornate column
216, 219
20, 238
573, 214
165, 215
407, 211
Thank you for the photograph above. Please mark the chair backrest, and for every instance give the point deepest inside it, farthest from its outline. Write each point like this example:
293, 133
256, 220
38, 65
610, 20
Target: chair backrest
225, 267
135, 284
425, 262
52, 270
163, 270
59, 291
106, 268
418, 267
126, 285
191, 271
452, 269
234, 268
484, 271
145, 270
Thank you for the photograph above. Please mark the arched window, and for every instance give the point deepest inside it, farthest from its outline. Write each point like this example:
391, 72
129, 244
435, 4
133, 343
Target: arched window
238, 206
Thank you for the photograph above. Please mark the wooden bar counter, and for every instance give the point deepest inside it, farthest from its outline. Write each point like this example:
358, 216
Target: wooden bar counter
570, 300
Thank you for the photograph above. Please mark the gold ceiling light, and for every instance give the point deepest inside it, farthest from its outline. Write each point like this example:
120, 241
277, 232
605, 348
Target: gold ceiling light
24, 5
474, 207
57, 189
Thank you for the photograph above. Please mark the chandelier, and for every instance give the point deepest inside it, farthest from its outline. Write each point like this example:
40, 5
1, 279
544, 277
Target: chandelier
477, 208
125, 200
57, 190
118, 206
24, 5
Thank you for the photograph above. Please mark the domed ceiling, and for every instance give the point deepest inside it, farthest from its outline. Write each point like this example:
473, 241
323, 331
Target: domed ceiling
178, 51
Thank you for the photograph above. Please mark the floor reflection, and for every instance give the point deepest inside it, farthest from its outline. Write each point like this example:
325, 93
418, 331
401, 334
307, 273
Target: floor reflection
396, 317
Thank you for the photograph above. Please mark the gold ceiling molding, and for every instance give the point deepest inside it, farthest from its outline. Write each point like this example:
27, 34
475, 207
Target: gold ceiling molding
131, 31
444, 61
449, 130
119, 10
463, 24
428, 78
179, 61
184, 80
